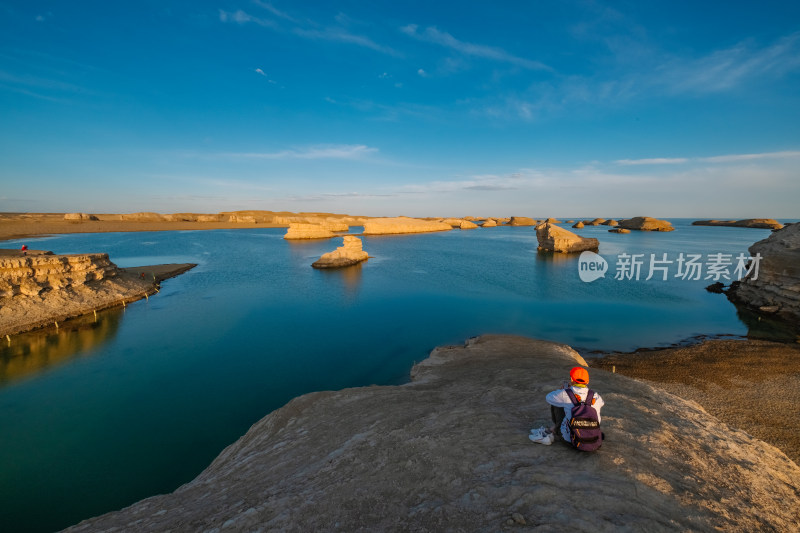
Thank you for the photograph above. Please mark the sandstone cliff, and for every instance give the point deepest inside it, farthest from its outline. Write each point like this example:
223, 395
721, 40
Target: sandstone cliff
777, 289
646, 224
761, 223
449, 452
350, 253
395, 225
553, 238
41, 288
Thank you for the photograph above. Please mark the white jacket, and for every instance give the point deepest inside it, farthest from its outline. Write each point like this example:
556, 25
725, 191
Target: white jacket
559, 398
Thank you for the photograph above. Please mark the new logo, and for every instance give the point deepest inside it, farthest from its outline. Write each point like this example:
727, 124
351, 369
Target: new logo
591, 266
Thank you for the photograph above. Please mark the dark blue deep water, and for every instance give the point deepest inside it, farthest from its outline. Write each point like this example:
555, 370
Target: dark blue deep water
101, 414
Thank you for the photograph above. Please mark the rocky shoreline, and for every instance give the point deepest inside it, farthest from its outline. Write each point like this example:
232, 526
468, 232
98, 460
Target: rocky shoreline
449, 451
40, 289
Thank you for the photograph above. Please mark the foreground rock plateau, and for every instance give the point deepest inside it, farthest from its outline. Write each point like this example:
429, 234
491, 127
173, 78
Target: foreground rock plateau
553, 238
449, 452
776, 291
39, 288
350, 253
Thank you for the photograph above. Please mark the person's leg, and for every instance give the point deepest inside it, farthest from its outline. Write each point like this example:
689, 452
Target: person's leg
557, 413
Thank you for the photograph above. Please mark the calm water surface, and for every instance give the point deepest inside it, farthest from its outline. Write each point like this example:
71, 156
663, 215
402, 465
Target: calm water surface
104, 413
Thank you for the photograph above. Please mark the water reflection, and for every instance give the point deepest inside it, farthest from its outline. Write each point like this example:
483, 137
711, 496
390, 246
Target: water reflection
30, 353
767, 328
350, 277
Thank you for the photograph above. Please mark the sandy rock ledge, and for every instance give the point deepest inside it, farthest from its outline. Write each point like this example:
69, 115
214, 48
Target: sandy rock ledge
449, 452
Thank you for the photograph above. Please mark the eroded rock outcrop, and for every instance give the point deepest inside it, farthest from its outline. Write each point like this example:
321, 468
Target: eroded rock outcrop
578, 225
350, 253
521, 221
449, 452
619, 230
79, 217
761, 223
489, 223
40, 288
399, 225
298, 231
553, 238
594, 222
776, 291
646, 224
466, 224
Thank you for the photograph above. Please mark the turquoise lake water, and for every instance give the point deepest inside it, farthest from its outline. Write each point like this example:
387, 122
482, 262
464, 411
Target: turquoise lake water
101, 414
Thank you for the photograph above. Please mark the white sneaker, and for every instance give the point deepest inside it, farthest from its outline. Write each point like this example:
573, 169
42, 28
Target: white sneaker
541, 436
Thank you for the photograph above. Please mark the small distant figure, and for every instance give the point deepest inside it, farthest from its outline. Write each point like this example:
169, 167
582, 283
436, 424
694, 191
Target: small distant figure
575, 409
24, 249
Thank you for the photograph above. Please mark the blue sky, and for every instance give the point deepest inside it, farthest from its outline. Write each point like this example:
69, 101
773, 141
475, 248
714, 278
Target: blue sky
549, 108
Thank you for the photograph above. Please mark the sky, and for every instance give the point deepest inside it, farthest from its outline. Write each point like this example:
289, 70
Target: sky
539, 108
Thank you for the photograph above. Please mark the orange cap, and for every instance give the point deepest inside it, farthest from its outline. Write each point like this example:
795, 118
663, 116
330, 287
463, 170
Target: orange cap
579, 375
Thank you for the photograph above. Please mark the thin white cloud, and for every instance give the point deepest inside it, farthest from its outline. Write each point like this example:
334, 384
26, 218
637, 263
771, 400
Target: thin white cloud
343, 36
726, 69
422, 73
347, 151
653, 161
748, 157
275, 11
433, 35
730, 158
241, 17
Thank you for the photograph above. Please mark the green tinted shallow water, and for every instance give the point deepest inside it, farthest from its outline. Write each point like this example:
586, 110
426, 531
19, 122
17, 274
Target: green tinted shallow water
104, 413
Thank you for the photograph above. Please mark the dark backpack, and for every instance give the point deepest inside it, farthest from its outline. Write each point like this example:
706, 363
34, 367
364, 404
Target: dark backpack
584, 428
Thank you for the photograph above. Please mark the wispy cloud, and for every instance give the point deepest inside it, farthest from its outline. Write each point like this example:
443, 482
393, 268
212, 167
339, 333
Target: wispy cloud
729, 68
748, 157
343, 36
306, 29
653, 161
433, 35
731, 158
241, 17
347, 151
275, 11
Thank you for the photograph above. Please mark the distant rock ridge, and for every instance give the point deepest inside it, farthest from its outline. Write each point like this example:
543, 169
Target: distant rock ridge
449, 452
350, 253
400, 225
646, 224
776, 291
521, 221
553, 238
761, 223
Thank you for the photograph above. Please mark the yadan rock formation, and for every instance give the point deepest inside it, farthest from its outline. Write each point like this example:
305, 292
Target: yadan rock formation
594, 222
646, 224
489, 223
299, 231
40, 288
761, 223
79, 217
578, 225
449, 452
521, 221
350, 253
610, 222
553, 238
466, 224
397, 225
619, 230
776, 291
